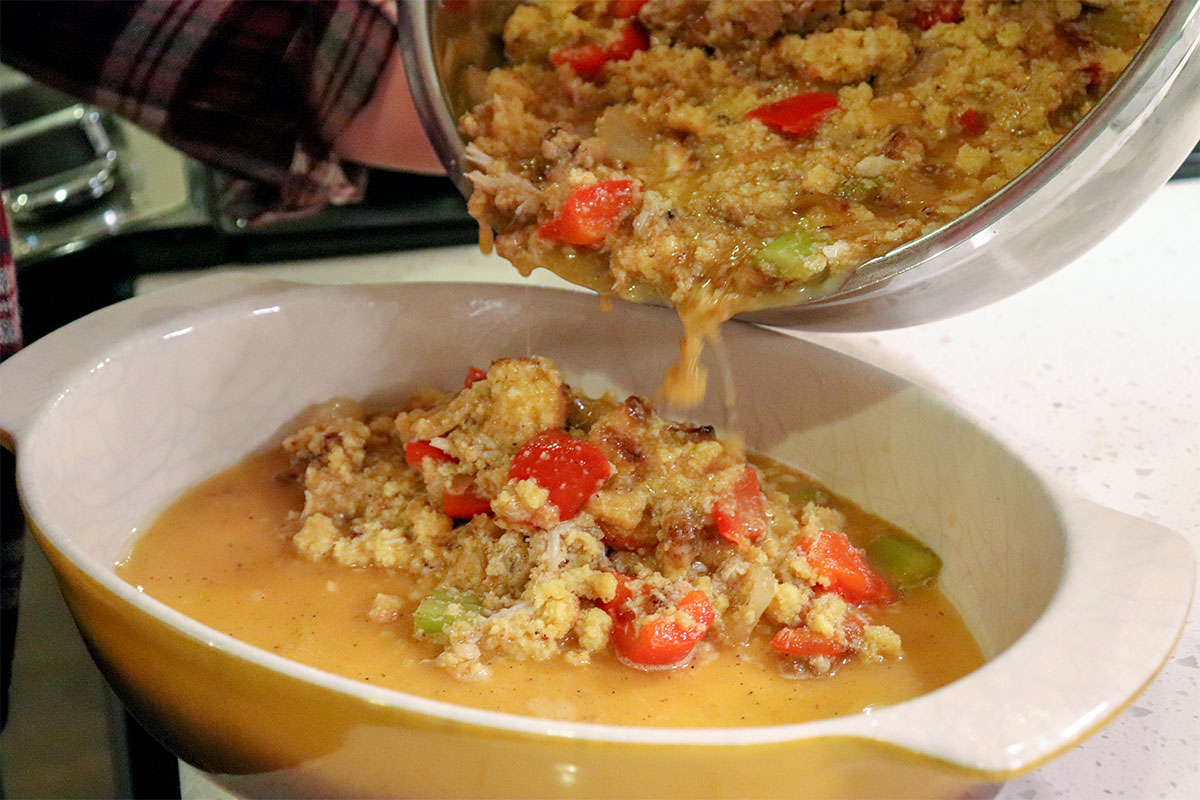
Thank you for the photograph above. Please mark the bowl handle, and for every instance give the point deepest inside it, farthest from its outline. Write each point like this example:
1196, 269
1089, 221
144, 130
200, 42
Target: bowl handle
1125, 595
33, 377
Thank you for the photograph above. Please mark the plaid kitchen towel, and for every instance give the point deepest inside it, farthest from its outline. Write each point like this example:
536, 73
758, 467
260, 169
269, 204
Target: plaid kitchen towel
258, 88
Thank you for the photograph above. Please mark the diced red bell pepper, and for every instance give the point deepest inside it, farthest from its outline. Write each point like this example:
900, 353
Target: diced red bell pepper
587, 59
417, 451
464, 505
570, 470
932, 12
632, 39
799, 114
658, 641
591, 213
972, 122
474, 375
832, 556
806, 642
624, 9
741, 513
457, 505
618, 608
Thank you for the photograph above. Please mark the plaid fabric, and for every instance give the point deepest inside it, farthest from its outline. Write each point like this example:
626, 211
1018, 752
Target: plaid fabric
257, 87
10, 317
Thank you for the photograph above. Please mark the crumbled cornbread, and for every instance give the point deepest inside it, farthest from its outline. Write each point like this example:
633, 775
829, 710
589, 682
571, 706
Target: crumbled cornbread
538, 523
739, 153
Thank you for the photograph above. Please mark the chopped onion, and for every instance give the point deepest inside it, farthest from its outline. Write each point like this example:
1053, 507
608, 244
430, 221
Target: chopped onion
626, 137
337, 408
758, 589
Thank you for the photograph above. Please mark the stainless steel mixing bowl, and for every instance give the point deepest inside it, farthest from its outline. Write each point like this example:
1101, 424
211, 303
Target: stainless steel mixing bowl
1078, 192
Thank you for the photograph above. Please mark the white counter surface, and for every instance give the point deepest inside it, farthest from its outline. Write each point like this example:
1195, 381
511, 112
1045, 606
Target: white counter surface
1094, 376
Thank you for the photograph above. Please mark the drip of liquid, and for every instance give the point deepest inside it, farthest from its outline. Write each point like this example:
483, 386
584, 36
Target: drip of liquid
487, 238
685, 384
686, 381
729, 395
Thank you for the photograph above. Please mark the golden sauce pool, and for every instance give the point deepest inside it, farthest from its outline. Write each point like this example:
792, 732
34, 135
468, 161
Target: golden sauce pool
222, 554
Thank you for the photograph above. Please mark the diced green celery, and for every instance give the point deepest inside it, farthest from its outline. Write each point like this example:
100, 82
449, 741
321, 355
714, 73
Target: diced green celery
792, 256
1109, 27
582, 412
443, 608
859, 190
803, 495
904, 562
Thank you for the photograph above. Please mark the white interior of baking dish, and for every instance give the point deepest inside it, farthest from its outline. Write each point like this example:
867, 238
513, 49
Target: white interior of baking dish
116, 415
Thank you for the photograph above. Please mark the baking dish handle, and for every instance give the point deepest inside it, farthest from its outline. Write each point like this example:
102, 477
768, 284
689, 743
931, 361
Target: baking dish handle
1114, 621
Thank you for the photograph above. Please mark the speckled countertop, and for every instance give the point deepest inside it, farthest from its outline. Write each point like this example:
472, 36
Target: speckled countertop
1093, 375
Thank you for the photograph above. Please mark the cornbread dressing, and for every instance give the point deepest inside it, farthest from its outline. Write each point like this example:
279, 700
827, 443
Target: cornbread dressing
223, 555
734, 154
471, 558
